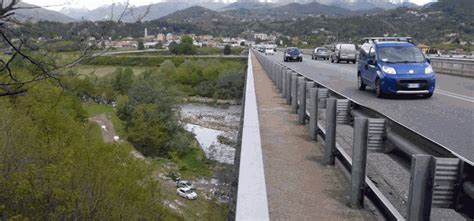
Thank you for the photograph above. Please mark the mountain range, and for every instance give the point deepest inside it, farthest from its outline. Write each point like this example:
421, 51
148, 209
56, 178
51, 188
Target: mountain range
256, 10
28, 12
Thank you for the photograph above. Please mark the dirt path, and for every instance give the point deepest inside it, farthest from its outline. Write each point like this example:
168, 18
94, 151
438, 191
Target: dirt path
298, 186
107, 128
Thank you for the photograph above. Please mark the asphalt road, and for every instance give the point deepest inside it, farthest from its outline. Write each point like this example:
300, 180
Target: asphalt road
447, 117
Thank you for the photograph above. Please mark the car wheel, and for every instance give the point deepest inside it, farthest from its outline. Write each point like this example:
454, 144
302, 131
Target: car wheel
360, 83
332, 61
378, 89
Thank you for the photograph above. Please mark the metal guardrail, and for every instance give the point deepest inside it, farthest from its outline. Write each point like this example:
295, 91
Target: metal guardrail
439, 177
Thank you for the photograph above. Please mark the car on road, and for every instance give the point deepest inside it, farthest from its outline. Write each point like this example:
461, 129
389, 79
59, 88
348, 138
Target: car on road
186, 184
186, 193
343, 52
269, 51
394, 66
320, 53
292, 54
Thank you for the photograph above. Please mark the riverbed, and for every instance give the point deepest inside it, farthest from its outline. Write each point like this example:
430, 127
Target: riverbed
216, 129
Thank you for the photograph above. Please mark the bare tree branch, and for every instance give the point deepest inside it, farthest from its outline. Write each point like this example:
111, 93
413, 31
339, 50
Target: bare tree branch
12, 85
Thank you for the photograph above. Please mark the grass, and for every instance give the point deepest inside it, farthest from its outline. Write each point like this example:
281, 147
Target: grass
95, 109
193, 163
199, 209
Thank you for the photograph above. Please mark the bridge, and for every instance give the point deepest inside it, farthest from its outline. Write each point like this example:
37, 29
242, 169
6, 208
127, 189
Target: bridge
306, 123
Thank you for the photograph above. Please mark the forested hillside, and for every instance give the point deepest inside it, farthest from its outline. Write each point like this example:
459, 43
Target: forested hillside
437, 22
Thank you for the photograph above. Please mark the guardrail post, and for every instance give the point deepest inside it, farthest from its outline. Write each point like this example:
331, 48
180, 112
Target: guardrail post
359, 159
288, 86
331, 122
301, 99
309, 85
279, 78
282, 78
283, 82
421, 187
294, 92
313, 113
275, 71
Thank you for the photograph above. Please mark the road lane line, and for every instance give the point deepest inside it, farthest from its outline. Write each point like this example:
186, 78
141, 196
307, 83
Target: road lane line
454, 95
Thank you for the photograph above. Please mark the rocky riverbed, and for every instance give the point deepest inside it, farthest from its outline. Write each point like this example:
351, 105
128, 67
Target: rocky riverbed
216, 129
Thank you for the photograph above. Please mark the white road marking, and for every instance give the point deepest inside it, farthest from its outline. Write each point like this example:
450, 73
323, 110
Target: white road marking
454, 95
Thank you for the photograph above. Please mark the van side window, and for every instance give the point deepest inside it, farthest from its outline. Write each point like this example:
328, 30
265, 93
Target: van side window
372, 52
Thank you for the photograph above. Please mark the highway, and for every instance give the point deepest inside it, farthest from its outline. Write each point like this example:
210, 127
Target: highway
447, 117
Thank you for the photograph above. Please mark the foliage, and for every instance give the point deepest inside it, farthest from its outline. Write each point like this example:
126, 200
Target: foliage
55, 165
140, 46
185, 47
145, 61
227, 50
123, 80
173, 47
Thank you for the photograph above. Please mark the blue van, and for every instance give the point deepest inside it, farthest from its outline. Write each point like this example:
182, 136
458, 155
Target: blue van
394, 66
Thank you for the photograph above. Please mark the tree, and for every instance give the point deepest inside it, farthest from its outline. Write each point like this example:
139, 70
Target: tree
141, 46
227, 50
41, 61
123, 80
167, 67
186, 46
56, 166
173, 48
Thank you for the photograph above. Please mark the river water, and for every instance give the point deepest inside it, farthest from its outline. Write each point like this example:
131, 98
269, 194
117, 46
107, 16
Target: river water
216, 129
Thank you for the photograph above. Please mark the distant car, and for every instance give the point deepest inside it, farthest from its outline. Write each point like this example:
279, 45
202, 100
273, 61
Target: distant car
394, 66
320, 53
344, 52
185, 184
292, 54
186, 193
269, 51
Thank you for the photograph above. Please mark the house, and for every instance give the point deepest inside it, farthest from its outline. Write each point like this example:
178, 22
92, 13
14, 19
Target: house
424, 48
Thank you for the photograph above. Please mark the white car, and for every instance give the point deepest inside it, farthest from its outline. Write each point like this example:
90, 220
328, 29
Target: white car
186, 193
269, 51
186, 184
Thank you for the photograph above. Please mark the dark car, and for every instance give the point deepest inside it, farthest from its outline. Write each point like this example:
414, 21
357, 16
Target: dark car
292, 54
320, 53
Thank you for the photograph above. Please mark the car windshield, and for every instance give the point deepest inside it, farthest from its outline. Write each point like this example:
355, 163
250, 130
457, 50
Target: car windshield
322, 50
401, 54
293, 51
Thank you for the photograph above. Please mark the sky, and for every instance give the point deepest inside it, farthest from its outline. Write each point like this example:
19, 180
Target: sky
92, 4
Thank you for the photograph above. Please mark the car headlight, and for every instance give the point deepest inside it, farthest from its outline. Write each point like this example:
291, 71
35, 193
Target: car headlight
389, 70
429, 70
